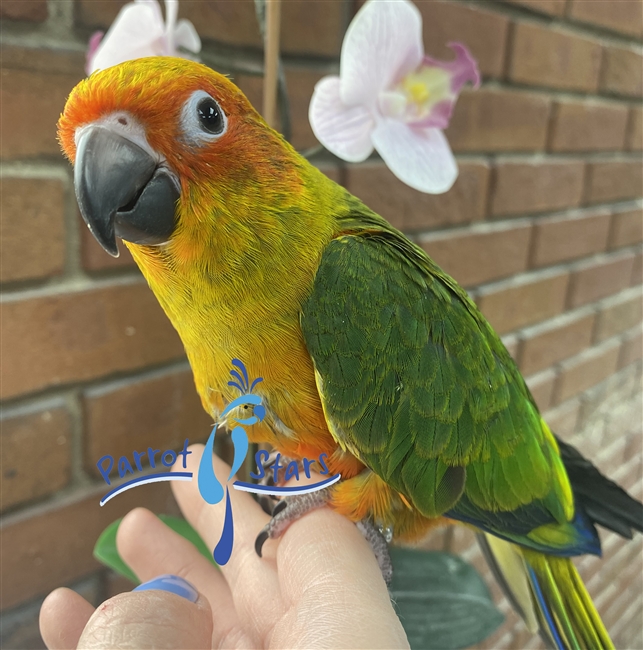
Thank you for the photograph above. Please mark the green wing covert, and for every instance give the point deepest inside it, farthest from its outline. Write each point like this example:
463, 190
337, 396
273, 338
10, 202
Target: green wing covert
416, 384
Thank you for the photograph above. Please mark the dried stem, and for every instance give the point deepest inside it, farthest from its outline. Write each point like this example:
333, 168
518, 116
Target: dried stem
271, 62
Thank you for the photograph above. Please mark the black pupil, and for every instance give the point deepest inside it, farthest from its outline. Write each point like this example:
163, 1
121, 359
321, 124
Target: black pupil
210, 116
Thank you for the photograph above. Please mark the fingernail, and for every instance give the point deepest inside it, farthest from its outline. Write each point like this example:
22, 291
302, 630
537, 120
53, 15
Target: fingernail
173, 584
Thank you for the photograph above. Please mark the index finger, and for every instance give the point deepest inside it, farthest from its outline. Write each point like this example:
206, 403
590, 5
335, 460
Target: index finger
326, 568
252, 580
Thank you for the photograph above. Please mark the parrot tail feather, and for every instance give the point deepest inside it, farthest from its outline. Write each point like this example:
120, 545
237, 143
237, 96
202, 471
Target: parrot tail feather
605, 503
564, 606
548, 593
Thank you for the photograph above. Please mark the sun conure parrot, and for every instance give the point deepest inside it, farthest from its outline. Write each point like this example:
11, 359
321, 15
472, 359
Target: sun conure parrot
370, 353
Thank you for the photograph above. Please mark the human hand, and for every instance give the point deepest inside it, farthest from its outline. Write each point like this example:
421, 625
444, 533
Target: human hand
318, 586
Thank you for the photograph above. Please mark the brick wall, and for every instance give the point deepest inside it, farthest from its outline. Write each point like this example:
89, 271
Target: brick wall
543, 227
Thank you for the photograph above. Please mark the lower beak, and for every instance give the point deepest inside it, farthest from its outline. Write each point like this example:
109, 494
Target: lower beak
121, 190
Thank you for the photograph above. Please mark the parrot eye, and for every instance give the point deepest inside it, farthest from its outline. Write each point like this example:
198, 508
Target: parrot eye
202, 119
210, 116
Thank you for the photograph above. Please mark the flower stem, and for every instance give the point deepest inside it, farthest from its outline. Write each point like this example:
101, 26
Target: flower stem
271, 62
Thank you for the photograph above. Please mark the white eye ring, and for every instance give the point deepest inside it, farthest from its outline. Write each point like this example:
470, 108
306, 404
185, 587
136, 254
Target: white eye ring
194, 121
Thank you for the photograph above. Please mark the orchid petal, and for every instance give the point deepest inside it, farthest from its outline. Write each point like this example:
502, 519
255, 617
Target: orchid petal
382, 44
420, 158
94, 41
185, 36
343, 130
438, 118
171, 13
155, 7
136, 32
462, 69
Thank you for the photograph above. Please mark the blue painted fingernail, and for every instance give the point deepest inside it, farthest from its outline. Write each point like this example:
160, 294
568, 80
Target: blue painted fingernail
173, 584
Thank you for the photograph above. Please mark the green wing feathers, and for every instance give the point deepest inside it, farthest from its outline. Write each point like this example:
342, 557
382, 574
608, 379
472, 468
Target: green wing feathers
416, 384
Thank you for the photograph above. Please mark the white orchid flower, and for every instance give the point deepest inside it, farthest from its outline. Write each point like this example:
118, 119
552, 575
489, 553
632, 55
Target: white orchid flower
390, 97
139, 31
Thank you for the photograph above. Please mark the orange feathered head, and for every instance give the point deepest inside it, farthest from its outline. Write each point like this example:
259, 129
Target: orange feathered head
150, 135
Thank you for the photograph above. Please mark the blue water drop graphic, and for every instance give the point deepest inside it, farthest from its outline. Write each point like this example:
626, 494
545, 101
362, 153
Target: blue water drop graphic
209, 486
240, 442
223, 549
239, 364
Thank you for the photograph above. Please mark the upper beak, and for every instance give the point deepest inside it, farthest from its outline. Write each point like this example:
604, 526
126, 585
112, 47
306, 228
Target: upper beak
122, 191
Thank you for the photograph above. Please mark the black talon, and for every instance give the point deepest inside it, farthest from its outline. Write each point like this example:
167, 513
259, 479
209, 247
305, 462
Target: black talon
266, 503
279, 507
261, 540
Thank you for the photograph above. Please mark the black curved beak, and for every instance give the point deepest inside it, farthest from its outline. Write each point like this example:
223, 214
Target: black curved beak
121, 190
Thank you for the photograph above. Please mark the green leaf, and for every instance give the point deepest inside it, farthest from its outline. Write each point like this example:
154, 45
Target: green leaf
183, 528
105, 550
441, 600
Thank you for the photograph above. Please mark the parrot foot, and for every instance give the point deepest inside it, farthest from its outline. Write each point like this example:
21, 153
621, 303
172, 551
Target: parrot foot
378, 541
268, 501
290, 509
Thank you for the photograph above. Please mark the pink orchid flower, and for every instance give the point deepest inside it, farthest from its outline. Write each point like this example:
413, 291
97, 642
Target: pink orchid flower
139, 31
390, 97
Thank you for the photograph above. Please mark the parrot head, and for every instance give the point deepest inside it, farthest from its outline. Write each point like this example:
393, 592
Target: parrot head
161, 145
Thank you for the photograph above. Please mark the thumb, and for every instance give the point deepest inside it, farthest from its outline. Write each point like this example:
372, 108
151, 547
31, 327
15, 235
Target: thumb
166, 612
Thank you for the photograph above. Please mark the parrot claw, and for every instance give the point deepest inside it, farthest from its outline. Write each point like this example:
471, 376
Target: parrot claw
267, 501
289, 509
261, 540
378, 542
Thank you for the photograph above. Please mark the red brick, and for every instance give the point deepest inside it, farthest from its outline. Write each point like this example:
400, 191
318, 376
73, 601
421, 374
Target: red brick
634, 441
557, 239
553, 7
635, 130
618, 15
512, 345
94, 258
43, 59
477, 257
587, 370
637, 270
52, 546
484, 32
588, 126
32, 10
36, 455
529, 300
627, 228
159, 412
311, 27
307, 26
550, 57
60, 338
541, 387
614, 181
410, 210
536, 187
563, 419
301, 83
499, 120
619, 314
622, 72
23, 135
32, 228
598, 279
631, 348
547, 344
